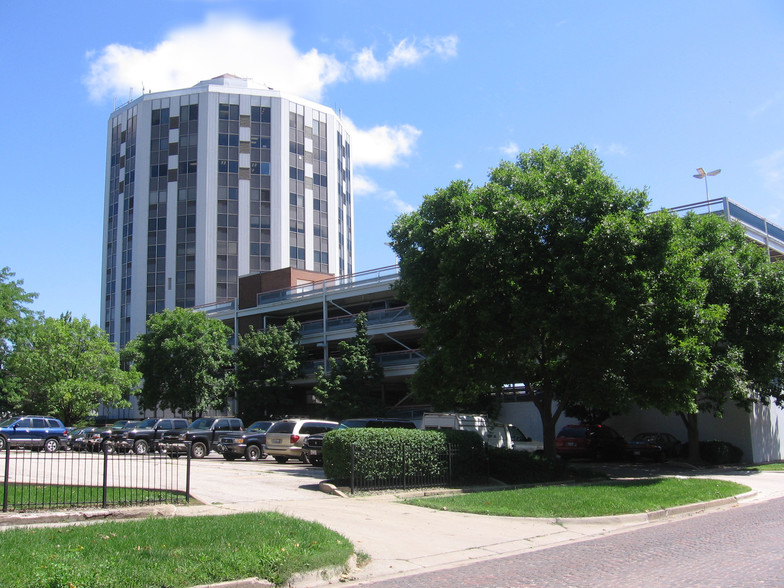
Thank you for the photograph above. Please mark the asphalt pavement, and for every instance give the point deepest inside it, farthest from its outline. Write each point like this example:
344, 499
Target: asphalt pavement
401, 539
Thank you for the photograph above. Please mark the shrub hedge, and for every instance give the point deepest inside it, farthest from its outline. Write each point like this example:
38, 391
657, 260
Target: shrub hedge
720, 452
378, 453
521, 467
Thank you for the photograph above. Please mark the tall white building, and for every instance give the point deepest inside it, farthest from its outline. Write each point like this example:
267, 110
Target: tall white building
216, 181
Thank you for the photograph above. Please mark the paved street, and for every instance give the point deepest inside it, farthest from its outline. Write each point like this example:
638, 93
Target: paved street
739, 547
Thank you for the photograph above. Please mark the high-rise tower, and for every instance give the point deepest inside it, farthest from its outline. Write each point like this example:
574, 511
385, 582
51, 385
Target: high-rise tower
216, 181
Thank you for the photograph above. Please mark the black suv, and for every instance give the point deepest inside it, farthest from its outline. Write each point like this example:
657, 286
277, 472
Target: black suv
203, 435
144, 436
313, 447
248, 443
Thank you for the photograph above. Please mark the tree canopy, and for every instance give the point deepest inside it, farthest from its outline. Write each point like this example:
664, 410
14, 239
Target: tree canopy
185, 359
267, 362
350, 388
713, 331
531, 278
66, 367
15, 316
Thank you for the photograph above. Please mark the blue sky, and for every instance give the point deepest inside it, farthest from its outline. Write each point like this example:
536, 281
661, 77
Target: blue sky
433, 95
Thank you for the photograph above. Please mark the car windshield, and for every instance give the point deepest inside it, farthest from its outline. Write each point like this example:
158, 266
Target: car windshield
146, 424
202, 423
8, 422
259, 427
353, 423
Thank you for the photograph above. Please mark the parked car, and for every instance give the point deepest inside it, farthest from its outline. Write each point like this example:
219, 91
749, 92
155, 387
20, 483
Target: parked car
99, 437
144, 436
656, 446
248, 443
313, 446
598, 442
203, 434
286, 438
35, 432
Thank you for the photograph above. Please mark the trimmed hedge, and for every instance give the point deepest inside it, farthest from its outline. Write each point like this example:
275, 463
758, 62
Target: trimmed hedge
378, 452
720, 452
521, 467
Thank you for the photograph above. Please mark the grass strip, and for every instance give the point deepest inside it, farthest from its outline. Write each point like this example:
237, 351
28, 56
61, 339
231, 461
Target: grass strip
47, 496
767, 467
586, 500
178, 552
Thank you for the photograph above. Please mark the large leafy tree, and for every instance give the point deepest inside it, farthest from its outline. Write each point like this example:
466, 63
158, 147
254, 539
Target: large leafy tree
267, 362
15, 319
185, 359
713, 331
531, 278
350, 387
66, 367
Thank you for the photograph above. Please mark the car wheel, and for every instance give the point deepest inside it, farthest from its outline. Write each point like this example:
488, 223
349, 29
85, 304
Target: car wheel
141, 447
107, 447
51, 445
281, 458
198, 450
2, 443
316, 461
252, 452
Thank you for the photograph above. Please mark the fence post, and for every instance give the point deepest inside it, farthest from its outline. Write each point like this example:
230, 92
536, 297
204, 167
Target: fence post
403, 453
188, 474
105, 472
5, 479
352, 468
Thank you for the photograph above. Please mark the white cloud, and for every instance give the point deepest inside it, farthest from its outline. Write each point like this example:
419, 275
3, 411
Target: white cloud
772, 170
381, 146
392, 199
511, 149
233, 44
406, 53
458, 165
362, 185
217, 46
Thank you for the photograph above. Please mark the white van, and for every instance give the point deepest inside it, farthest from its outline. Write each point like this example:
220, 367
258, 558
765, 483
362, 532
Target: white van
493, 433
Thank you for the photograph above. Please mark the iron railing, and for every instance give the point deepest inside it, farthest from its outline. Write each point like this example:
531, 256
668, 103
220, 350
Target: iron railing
35, 480
406, 468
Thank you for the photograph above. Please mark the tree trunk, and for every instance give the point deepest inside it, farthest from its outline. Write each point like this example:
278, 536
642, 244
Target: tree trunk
544, 404
693, 433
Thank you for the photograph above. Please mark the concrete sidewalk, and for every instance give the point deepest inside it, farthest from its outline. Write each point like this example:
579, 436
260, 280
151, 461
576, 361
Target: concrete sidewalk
402, 539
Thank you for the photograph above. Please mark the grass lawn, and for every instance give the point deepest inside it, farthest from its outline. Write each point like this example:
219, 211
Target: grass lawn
767, 467
587, 500
183, 551
47, 496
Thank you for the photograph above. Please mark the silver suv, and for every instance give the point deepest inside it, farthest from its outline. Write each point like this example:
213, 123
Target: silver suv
286, 438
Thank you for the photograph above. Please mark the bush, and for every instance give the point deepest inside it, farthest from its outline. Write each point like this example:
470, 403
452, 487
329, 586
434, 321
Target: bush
720, 452
521, 467
378, 453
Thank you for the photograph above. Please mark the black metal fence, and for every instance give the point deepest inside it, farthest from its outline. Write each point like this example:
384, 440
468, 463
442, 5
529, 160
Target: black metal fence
35, 480
404, 467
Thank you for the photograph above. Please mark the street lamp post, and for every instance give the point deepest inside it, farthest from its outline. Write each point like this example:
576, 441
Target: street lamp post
702, 174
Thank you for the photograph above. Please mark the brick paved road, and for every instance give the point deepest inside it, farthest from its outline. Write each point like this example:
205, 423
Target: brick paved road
740, 547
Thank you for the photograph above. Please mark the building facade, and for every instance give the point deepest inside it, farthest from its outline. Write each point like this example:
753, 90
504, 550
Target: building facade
216, 181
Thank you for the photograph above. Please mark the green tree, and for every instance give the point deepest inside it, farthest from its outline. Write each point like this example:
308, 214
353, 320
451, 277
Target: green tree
267, 362
66, 368
350, 388
713, 331
15, 319
531, 279
185, 360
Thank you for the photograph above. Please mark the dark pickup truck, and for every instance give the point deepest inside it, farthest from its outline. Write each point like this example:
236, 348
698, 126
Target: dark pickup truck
203, 435
146, 435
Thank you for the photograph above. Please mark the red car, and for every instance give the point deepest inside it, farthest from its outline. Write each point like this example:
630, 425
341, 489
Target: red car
598, 442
